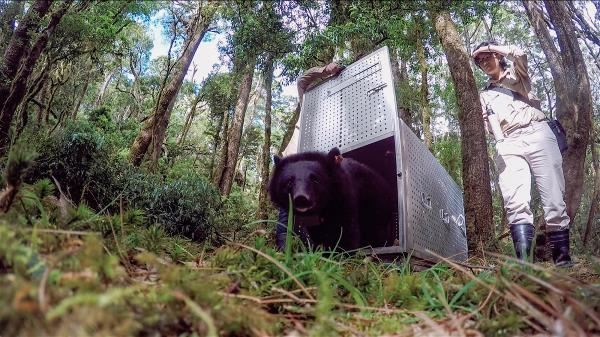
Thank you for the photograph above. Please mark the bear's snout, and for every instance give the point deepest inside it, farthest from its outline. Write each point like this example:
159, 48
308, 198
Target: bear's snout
303, 203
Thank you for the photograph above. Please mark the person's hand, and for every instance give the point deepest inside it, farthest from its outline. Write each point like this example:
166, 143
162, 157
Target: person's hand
333, 68
482, 49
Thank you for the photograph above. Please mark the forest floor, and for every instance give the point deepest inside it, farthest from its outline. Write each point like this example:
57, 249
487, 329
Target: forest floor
119, 278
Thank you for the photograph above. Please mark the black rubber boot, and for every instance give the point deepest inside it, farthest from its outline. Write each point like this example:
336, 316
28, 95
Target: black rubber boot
559, 241
522, 236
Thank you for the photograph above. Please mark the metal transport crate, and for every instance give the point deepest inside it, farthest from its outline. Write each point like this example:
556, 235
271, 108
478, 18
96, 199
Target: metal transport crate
356, 112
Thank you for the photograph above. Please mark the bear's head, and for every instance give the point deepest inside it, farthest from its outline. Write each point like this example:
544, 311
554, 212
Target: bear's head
308, 178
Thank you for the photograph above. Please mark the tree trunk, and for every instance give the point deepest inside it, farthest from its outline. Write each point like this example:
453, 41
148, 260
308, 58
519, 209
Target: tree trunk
45, 92
155, 128
9, 12
104, 87
255, 97
289, 130
135, 107
221, 157
263, 199
221, 132
235, 131
189, 119
80, 98
476, 179
53, 90
19, 84
573, 102
18, 46
33, 91
400, 74
396, 77
595, 200
425, 108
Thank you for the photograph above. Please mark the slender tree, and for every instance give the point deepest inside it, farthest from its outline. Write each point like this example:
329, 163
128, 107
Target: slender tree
190, 118
266, 148
10, 12
104, 87
424, 88
404, 96
573, 102
218, 91
224, 179
258, 30
19, 45
475, 171
86, 83
18, 85
155, 128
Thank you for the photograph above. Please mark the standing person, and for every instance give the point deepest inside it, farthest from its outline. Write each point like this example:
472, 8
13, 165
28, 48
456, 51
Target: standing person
526, 147
309, 78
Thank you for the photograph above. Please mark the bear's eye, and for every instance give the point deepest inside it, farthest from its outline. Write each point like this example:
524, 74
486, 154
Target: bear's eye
290, 184
314, 178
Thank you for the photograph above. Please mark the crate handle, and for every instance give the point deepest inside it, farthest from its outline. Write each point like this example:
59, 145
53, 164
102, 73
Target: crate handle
426, 200
376, 89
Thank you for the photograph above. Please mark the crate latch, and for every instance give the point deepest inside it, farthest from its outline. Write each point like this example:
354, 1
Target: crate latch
426, 200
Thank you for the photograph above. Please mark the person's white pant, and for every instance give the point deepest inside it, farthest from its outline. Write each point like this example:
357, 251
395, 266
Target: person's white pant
532, 150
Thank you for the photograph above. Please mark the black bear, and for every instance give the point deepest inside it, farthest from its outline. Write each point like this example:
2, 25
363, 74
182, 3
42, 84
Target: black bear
339, 201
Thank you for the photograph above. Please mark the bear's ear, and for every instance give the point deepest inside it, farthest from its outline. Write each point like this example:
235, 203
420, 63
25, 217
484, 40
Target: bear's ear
334, 156
333, 152
276, 160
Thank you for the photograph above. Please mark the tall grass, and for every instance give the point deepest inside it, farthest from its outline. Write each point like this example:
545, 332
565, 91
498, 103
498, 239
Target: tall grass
98, 274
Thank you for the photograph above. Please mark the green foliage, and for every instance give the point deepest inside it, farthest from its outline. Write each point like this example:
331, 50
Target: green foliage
19, 159
402, 290
447, 150
70, 262
324, 322
218, 92
86, 288
100, 24
101, 118
257, 28
505, 325
83, 163
22, 258
79, 158
43, 188
182, 206
235, 215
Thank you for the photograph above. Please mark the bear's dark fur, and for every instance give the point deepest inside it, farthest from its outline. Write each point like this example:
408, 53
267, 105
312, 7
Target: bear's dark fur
346, 198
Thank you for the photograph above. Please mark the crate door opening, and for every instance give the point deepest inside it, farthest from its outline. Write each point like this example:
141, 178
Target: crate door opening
381, 157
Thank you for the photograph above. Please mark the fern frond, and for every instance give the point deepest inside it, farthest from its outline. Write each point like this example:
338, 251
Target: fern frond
19, 160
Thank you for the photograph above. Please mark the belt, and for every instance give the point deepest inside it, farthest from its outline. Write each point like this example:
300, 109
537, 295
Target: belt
526, 125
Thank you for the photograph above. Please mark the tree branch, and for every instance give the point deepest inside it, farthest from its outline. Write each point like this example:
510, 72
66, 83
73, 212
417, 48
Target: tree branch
535, 15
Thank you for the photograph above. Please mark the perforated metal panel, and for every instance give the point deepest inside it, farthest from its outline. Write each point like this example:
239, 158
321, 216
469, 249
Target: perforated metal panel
356, 109
434, 210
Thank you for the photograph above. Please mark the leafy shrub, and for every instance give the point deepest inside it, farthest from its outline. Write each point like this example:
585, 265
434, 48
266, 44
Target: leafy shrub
237, 215
88, 170
79, 158
183, 206
101, 118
